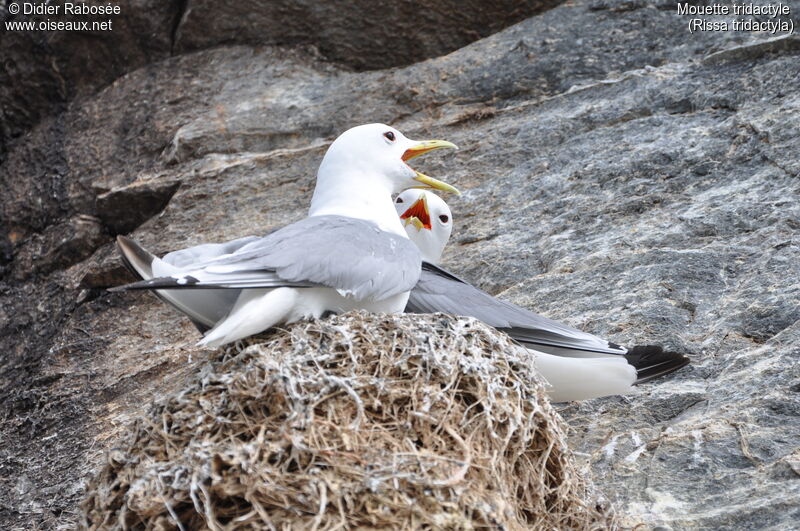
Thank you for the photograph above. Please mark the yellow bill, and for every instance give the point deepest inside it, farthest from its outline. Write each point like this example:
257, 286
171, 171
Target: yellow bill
428, 183
427, 145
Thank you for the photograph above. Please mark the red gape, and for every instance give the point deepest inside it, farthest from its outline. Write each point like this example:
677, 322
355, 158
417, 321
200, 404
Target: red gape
413, 153
419, 210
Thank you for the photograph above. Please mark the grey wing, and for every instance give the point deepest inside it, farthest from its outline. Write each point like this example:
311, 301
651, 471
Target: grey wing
350, 255
186, 258
353, 256
185, 269
441, 291
204, 307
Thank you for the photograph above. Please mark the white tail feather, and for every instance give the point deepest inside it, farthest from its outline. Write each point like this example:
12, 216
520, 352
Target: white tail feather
255, 310
584, 378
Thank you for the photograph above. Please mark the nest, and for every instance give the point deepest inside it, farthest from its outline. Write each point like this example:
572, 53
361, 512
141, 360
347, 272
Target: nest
355, 421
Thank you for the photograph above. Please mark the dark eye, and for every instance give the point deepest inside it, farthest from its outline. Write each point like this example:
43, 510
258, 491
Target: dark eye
389, 136
444, 218
399, 200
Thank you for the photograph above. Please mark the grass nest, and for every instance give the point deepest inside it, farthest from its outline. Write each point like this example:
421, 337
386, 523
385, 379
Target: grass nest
354, 421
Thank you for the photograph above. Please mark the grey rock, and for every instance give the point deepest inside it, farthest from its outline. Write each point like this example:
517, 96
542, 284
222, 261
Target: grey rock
43, 70
620, 174
362, 34
59, 246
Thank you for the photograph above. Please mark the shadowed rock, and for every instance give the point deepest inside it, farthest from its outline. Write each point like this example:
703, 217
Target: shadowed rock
124, 209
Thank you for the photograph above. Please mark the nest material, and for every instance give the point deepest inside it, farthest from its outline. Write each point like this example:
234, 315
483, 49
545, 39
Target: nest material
355, 421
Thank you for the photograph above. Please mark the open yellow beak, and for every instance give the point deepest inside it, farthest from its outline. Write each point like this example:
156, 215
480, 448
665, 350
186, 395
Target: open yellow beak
421, 148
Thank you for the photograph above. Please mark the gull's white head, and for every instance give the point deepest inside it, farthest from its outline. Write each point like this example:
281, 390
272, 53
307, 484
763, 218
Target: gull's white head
427, 220
364, 166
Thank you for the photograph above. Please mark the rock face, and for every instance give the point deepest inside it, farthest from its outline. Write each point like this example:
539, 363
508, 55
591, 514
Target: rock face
43, 70
620, 173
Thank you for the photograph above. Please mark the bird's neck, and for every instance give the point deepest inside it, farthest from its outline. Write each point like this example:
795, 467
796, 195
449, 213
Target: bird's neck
364, 197
430, 249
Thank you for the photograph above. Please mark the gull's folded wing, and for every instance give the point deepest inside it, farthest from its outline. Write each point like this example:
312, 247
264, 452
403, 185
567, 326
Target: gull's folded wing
205, 252
439, 290
316, 251
200, 280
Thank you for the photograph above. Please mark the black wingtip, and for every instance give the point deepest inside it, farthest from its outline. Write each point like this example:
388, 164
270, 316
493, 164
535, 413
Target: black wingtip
141, 284
652, 361
187, 281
